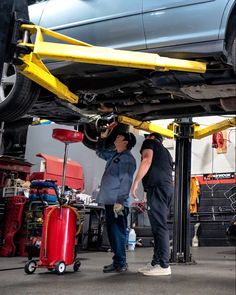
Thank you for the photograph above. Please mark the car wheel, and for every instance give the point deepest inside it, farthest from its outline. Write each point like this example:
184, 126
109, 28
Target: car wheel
17, 94
92, 133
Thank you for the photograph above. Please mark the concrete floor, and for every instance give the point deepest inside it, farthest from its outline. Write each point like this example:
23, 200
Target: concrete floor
214, 273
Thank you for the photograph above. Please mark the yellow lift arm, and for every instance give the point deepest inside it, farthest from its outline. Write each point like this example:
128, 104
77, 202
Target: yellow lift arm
198, 132
146, 126
73, 50
203, 132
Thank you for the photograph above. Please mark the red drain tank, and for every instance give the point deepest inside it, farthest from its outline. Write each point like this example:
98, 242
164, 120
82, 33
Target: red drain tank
58, 240
58, 237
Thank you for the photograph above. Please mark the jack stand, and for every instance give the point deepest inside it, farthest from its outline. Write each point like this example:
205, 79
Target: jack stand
1, 136
181, 226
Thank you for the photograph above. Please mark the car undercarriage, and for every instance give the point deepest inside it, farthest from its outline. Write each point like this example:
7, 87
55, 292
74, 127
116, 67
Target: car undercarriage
141, 94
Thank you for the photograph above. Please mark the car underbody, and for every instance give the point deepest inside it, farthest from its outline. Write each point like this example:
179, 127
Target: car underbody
141, 94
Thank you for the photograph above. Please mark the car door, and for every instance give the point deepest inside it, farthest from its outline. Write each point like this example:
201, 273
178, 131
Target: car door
99, 22
177, 22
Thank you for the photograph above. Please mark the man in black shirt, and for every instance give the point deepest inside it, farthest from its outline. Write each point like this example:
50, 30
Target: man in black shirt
155, 171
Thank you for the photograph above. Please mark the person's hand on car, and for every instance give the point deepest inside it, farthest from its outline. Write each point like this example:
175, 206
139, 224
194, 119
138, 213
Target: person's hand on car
108, 130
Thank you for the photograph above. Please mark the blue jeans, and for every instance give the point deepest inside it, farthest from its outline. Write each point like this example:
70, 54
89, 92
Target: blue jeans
117, 234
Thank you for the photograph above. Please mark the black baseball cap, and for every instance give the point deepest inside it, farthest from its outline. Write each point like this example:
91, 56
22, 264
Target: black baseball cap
158, 136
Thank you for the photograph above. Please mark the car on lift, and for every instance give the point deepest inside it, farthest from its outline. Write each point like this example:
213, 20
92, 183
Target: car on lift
202, 30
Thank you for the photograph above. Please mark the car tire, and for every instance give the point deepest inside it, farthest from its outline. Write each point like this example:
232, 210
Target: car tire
91, 135
17, 94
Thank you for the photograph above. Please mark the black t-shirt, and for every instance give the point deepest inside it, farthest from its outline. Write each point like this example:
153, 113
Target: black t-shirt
160, 171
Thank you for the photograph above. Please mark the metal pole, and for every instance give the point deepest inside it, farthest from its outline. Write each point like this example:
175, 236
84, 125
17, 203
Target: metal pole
64, 168
181, 226
1, 136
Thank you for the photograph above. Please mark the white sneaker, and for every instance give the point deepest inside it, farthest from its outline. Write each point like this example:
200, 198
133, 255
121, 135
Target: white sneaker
146, 268
158, 271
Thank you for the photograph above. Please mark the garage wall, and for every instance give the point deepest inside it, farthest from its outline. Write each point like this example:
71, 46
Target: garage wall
39, 140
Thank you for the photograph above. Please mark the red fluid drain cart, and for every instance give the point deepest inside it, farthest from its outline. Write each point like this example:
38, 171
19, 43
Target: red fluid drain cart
59, 224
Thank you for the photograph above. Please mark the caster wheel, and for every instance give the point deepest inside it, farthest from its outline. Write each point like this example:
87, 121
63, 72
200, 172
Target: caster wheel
30, 267
76, 265
60, 267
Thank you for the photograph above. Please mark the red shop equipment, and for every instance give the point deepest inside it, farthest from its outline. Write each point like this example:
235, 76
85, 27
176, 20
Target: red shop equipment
52, 167
12, 223
59, 224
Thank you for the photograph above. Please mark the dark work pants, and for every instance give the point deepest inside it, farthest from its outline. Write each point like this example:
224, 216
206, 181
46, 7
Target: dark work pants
158, 202
116, 231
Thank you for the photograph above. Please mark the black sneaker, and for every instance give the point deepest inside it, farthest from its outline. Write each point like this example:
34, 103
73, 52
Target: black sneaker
106, 266
110, 268
113, 269
122, 268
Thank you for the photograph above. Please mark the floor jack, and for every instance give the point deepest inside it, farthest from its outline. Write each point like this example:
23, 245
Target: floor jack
59, 224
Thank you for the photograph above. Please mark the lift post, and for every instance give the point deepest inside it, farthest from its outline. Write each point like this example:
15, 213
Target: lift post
181, 224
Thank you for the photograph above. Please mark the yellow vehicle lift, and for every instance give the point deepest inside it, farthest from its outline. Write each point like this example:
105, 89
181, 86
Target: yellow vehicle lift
70, 49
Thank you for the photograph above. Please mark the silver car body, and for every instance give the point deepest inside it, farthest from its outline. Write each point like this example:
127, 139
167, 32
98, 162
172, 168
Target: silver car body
169, 27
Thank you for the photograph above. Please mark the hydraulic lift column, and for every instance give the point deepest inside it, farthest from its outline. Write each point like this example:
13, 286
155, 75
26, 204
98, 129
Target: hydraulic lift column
9, 11
6, 7
181, 226
7, 19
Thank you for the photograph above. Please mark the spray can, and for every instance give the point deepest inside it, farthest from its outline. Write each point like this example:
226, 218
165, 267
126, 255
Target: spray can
132, 240
195, 238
